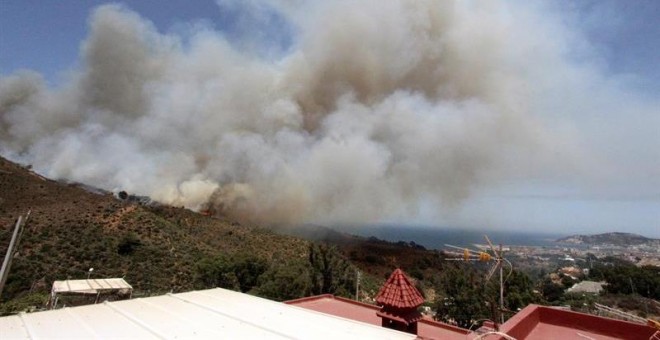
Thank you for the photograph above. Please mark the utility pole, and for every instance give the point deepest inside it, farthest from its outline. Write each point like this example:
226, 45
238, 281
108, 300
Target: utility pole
632, 286
357, 286
501, 289
11, 250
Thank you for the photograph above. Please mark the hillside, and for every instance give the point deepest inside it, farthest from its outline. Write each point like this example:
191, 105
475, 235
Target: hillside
159, 249
378, 257
616, 239
156, 248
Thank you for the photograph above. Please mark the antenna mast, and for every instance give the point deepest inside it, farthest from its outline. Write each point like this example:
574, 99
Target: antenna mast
484, 256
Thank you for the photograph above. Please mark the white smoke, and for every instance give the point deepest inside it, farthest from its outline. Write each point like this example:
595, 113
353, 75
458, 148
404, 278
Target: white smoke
375, 107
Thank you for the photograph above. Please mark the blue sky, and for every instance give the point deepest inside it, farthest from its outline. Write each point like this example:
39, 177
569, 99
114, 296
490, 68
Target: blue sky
622, 40
626, 33
45, 36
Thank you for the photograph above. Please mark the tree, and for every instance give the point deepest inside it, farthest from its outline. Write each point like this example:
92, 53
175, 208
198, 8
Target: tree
644, 281
551, 291
240, 272
567, 281
217, 272
462, 297
248, 269
330, 273
284, 282
519, 291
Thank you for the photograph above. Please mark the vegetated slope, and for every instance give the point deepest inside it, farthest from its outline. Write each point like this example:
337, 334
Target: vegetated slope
617, 239
379, 257
156, 248
159, 248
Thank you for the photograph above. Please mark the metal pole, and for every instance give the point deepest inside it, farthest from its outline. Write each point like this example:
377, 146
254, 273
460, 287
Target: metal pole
51, 299
632, 287
6, 264
357, 287
501, 288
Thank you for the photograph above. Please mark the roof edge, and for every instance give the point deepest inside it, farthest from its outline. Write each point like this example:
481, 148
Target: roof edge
445, 326
309, 298
331, 296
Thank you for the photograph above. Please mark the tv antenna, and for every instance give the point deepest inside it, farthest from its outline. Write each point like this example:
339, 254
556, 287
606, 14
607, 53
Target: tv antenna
496, 258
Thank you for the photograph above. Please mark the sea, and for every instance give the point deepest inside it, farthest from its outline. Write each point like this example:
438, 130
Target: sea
436, 238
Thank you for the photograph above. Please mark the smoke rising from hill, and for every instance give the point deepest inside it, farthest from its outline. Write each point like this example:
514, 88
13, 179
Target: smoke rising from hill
374, 108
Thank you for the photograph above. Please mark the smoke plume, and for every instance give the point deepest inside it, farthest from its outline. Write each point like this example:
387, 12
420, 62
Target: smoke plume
372, 108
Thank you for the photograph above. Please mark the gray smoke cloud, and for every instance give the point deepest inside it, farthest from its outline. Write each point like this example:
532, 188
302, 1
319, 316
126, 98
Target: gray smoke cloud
374, 108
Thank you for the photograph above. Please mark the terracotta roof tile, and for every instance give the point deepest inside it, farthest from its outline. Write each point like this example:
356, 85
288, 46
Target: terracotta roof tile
398, 292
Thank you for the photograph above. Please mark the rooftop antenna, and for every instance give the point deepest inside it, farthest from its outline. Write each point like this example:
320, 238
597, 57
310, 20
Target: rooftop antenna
483, 256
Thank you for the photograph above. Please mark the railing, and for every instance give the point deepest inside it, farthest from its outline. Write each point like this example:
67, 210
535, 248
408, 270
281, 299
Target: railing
619, 314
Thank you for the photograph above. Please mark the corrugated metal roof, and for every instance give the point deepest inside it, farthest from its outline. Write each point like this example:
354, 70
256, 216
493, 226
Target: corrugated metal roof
91, 286
214, 313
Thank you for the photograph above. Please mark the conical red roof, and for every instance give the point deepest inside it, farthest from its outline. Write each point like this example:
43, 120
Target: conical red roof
398, 292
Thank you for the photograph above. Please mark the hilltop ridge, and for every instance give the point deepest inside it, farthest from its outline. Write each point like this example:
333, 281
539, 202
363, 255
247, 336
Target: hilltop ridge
613, 238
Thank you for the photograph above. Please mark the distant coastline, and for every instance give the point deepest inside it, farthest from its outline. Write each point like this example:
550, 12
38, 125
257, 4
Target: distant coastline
436, 238
619, 239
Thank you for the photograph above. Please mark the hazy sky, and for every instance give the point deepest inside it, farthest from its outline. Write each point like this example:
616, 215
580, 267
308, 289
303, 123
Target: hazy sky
588, 74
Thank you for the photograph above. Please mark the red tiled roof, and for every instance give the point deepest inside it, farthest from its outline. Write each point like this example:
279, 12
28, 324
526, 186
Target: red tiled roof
363, 312
398, 292
533, 322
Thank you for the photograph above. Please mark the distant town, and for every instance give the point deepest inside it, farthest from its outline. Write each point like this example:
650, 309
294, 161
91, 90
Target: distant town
582, 251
